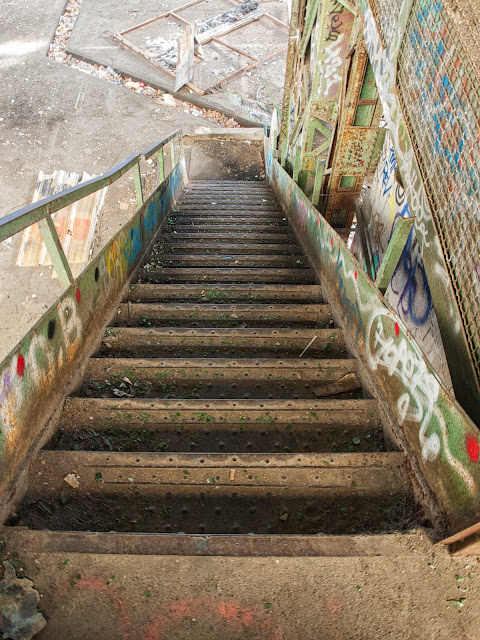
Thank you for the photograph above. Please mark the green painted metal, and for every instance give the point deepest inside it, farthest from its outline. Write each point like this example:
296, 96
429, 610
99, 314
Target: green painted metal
394, 251
319, 102
137, 179
408, 151
440, 439
40, 370
55, 250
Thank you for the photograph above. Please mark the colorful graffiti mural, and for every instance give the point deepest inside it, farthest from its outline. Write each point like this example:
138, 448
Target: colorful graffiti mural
455, 332
439, 435
54, 347
384, 203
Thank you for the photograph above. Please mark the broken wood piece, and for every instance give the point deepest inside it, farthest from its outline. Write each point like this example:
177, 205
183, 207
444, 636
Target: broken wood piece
348, 382
185, 57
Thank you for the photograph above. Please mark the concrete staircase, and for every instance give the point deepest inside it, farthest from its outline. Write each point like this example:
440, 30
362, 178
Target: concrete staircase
222, 416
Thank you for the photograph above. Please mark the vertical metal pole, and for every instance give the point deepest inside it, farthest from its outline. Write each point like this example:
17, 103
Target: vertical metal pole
161, 166
55, 250
172, 154
137, 178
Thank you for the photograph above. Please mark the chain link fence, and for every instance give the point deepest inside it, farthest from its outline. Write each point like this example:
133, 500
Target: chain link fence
439, 88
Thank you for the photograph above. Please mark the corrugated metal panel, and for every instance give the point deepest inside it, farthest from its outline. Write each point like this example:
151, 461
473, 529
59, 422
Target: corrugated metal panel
75, 224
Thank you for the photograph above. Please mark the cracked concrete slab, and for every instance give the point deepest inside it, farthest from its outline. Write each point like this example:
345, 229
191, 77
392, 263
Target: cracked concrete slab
92, 40
55, 117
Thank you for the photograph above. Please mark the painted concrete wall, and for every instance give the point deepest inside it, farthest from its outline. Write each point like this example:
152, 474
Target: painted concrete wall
383, 203
442, 442
34, 377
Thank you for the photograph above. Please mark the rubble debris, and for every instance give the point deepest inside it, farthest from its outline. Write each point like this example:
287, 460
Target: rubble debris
348, 382
227, 17
20, 618
57, 52
73, 480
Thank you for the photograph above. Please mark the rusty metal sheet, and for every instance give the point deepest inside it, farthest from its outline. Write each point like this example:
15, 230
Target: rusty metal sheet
75, 224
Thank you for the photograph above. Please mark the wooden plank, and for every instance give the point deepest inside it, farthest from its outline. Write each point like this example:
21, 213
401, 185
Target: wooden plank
185, 57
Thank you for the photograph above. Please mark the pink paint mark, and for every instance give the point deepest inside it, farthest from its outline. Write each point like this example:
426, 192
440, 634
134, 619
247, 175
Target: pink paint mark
20, 365
78, 295
240, 619
473, 448
91, 583
397, 329
356, 275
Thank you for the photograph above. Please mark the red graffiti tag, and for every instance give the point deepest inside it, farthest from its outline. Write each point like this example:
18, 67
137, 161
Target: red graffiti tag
473, 448
20, 365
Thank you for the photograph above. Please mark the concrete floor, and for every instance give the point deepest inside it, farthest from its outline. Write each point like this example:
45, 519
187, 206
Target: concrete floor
55, 117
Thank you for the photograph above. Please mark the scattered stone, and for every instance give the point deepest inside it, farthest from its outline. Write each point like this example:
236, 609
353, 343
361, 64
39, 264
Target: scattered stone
73, 480
20, 618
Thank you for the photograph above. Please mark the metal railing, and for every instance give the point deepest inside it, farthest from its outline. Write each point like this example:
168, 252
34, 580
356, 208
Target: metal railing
41, 212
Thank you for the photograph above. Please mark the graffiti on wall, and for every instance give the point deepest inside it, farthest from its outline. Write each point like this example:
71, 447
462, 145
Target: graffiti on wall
384, 203
455, 331
447, 455
52, 348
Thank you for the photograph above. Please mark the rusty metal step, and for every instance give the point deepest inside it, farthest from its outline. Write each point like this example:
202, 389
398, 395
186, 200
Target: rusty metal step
211, 315
34, 542
218, 377
140, 424
267, 230
218, 493
221, 199
222, 293
259, 207
229, 236
103, 413
213, 275
181, 342
258, 222
174, 246
237, 261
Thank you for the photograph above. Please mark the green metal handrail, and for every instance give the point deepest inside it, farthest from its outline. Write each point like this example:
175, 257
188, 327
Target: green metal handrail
41, 212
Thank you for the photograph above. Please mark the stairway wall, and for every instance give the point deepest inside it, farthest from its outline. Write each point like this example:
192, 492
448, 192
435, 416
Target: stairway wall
383, 203
442, 442
44, 367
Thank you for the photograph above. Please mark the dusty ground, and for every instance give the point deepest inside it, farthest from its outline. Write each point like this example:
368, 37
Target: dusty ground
419, 595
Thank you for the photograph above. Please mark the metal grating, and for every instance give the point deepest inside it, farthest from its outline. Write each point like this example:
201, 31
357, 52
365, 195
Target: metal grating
439, 88
386, 16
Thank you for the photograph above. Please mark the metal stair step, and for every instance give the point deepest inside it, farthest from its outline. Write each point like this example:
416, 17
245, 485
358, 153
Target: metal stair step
34, 542
216, 377
231, 342
229, 248
213, 275
222, 293
184, 313
243, 237
140, 424
265, 261
217, 493
267, 229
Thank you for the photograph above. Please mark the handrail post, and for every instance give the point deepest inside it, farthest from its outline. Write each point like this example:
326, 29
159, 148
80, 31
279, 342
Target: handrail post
55, 250
172, 153
394, 251
137, 178
161, 166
